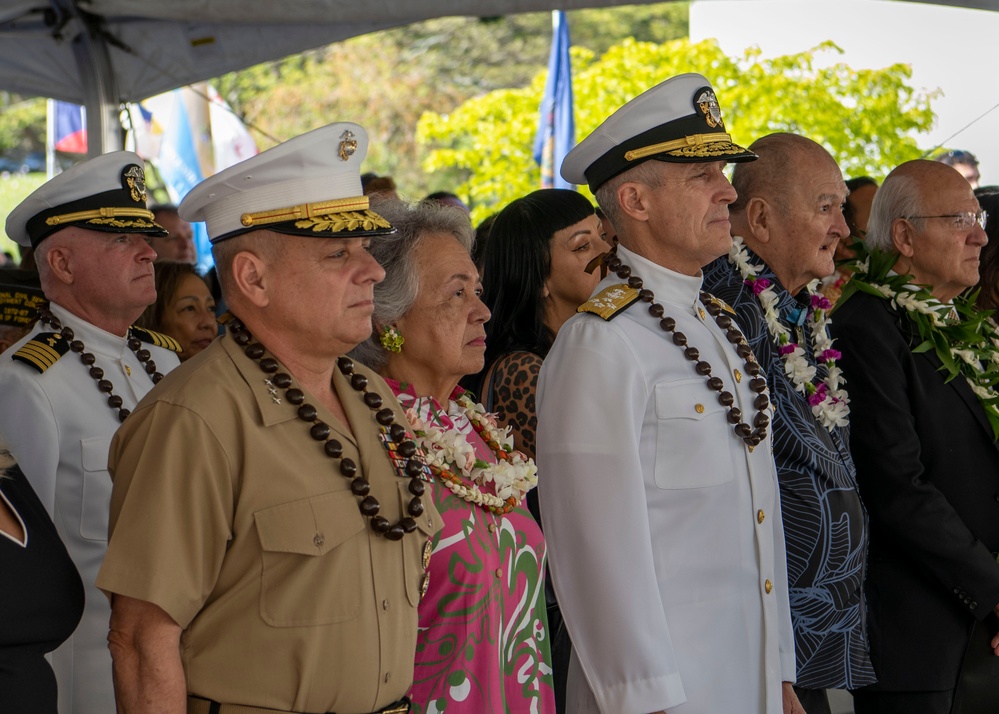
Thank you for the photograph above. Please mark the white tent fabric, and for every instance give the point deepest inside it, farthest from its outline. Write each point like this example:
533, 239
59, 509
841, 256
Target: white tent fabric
103, 53
47, 47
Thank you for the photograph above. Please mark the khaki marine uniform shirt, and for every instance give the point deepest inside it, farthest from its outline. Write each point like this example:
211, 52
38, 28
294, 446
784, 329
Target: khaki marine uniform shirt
229, 516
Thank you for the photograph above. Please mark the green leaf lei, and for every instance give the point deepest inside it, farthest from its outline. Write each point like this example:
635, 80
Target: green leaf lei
965, 338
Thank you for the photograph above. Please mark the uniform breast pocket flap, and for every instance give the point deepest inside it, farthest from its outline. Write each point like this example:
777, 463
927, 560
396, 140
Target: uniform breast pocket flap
692, 436
311, 560
95, 499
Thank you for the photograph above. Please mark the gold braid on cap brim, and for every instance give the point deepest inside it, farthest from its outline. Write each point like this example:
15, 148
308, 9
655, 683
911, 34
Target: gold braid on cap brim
697, 145
106, 216
338, 216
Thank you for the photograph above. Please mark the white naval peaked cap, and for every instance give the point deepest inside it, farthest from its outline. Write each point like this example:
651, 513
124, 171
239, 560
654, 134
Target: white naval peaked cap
678, 120
309, 185
106, 193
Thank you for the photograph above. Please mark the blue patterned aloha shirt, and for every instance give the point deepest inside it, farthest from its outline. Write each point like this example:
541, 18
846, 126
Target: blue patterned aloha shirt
825, 522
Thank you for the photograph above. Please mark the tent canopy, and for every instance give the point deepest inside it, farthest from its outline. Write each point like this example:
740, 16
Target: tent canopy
101, 53
52, 47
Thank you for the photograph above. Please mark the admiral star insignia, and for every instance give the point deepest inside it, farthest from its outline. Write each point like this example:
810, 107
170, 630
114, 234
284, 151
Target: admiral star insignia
610, 302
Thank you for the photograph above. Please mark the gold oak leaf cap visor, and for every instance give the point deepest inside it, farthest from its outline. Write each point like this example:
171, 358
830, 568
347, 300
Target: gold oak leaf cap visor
308, 186
678, 121
106, 193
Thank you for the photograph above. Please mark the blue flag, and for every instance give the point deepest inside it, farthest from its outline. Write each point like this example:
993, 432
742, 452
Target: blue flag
557, 129
181, 171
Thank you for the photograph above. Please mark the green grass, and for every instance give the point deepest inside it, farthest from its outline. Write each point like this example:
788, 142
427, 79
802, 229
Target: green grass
13, 190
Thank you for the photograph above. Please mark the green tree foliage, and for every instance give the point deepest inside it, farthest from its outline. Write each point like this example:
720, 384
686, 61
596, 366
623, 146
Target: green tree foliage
22, 124
387, 80
866, 118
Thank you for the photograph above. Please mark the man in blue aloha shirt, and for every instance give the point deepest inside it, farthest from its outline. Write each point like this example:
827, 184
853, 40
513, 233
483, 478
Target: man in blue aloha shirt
786, 223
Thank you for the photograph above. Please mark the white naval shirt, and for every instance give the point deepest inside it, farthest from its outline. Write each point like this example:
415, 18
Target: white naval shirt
664, 532
59, 427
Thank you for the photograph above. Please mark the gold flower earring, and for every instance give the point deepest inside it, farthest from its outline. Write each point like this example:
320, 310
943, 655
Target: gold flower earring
391, 339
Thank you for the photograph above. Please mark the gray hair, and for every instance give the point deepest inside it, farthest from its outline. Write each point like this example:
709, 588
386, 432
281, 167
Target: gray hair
395, 295
898, 197
648, 173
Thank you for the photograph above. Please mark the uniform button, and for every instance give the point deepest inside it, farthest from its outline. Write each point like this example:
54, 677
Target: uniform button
319, 540
972, 605
957, 591
388, 676
700, 314
768, 586
760, 515
738, 376
499, 572
699, 408
384, 604
492, 527
430, 522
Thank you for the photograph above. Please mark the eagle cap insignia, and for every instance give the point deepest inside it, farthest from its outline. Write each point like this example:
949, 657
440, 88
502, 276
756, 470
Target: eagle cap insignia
134, 180
707, 103
348, 145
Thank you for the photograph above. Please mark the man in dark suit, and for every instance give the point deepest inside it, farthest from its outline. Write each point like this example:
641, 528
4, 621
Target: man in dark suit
926, 457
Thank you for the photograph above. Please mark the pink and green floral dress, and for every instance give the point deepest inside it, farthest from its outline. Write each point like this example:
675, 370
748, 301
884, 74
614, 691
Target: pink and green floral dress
482, 645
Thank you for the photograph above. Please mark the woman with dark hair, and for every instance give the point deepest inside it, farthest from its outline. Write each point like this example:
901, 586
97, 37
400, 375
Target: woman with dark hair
988, 266
184, 308
534, 278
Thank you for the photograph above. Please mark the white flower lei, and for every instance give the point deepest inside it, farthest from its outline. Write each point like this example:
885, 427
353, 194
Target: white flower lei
907, 297
828, 399
449, 454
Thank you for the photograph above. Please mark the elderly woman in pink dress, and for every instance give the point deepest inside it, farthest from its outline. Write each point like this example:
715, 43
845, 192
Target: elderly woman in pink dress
483, 644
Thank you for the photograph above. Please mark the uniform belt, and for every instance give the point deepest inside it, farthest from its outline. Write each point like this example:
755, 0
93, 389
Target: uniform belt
197, 705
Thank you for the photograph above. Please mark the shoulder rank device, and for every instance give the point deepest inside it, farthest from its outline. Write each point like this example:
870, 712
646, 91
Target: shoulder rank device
155, 338
42, 351
610, 302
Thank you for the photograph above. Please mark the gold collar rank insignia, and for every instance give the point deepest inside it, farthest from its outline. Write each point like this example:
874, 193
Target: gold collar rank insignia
348, 145
708, 104
721, 303
611, 301
134, 180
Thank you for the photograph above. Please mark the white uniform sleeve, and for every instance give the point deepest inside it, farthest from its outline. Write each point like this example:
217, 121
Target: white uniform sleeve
27, 422
592, 399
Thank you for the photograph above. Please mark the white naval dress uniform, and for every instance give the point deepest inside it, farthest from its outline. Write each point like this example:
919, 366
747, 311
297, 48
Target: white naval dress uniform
59, 428
664, 530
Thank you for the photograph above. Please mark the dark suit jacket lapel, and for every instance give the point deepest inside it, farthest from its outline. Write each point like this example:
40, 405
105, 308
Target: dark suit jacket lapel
958, 383
970, 400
